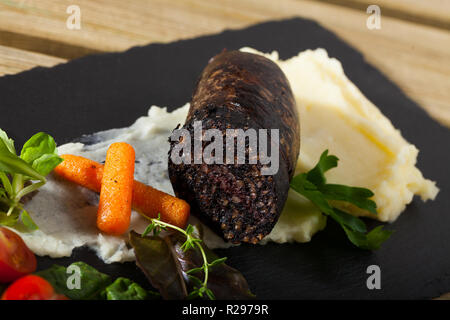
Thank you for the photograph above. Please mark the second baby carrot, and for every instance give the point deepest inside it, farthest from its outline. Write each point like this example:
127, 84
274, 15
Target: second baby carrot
149, 201
114, 208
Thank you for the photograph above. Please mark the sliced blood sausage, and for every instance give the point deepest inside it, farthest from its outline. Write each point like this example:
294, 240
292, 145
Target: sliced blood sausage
238, 90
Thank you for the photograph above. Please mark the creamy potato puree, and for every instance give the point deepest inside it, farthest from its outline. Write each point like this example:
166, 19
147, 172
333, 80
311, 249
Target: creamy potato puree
334, 115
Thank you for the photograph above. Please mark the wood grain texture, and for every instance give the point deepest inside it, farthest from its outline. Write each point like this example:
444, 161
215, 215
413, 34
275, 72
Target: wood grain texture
15, 60
430, 12
415, 55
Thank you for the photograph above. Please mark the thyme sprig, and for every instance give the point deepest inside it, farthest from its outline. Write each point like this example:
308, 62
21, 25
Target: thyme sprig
191, 243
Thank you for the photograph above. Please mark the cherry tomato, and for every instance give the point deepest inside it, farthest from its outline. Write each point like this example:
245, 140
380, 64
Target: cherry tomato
29, 287
16, 259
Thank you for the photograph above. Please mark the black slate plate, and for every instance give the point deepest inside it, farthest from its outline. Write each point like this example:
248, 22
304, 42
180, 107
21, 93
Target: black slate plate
112, 90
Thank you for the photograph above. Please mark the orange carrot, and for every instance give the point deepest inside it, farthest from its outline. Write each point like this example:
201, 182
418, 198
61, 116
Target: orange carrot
114, 207
146, 200
151, 202
82, 171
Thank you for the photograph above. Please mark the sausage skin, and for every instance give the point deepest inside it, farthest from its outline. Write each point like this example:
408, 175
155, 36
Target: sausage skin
238, 90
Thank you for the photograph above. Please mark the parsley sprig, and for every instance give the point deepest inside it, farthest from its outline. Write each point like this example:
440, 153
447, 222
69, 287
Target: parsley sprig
313, 186
192, 243
21, 175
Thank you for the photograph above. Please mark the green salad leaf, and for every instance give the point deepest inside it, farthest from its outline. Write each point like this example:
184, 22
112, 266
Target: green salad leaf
38, 145
40, 152
93, 284
313, 186
12, 164
11, 219
21, 175
125, 289
7, 141
28, 222
46, 163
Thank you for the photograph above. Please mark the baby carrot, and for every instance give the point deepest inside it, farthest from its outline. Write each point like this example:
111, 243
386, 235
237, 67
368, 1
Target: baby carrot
114, 207
146, 200
151, 202
82, 171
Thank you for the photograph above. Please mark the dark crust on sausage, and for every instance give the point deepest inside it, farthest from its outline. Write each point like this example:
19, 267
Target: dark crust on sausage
240, 90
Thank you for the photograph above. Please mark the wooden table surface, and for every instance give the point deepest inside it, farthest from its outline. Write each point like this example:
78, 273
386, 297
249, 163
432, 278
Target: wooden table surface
412, 47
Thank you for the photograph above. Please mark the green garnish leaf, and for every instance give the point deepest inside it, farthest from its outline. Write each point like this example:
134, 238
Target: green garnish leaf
37, 146
195, 270
27, 221
180, 266
351, 222
154, 228
46, 163
302, 185
317, 174
40, 152
93, 285
22, 175
7, 141
6, 184
313, 186
355, 195
194, 280
369, 241
9, 220
217, 262
12, 164
125, 289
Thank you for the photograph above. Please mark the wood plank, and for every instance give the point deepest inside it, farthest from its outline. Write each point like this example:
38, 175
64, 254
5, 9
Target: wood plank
430, 12
14, 60
111, 25
445, 296
407, 52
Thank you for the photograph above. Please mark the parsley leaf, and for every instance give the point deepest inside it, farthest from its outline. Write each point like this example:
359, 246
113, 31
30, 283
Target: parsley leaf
350, 222
369, 241
357, 196
313, 186
326, 162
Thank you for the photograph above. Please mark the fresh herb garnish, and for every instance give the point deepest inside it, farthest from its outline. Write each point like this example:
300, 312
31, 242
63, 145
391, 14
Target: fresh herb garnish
200, 286
21, 175
93, 284
313, 186
165, 262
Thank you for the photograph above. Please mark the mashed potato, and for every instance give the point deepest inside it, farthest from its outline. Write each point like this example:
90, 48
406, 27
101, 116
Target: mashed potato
334, 115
